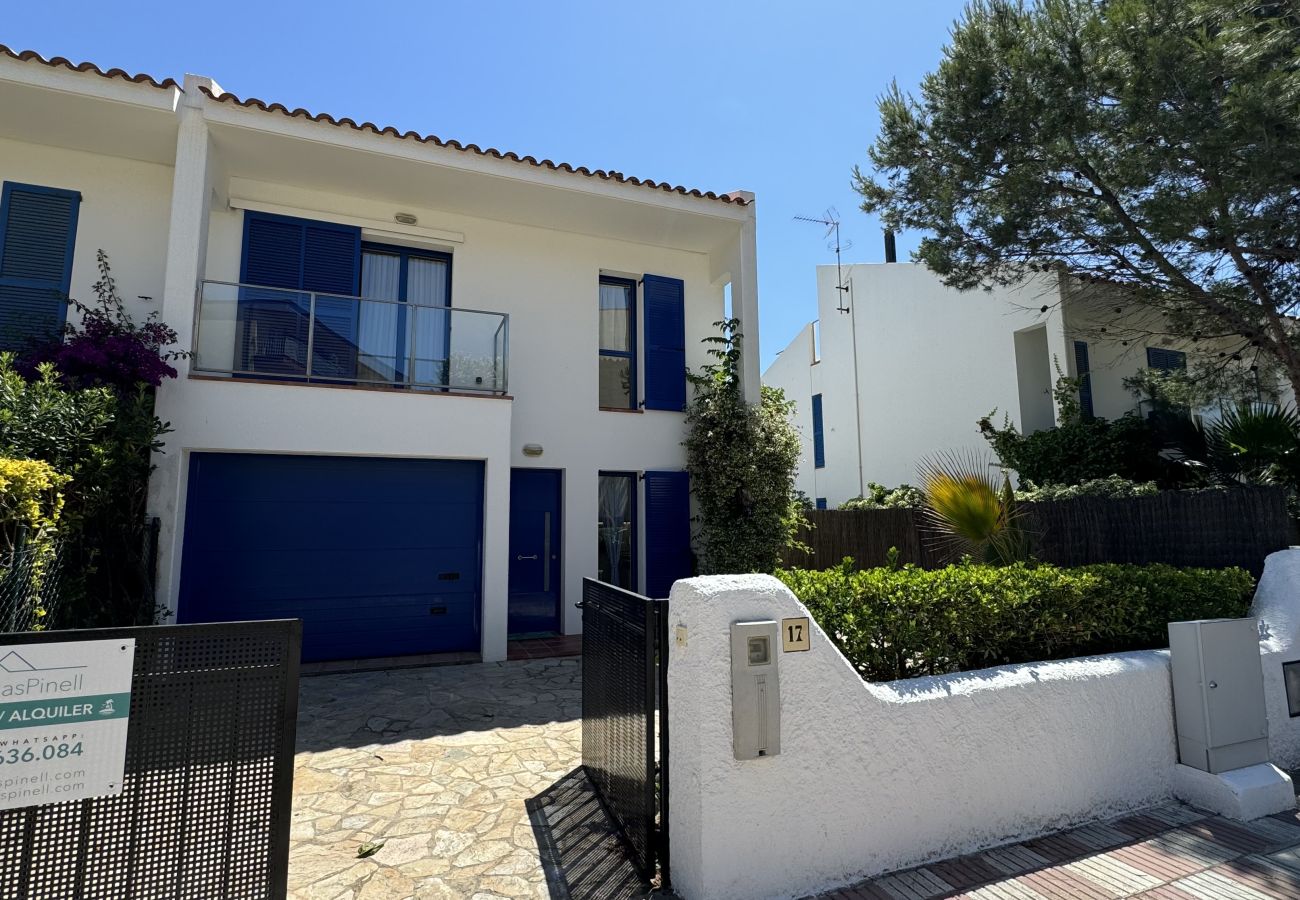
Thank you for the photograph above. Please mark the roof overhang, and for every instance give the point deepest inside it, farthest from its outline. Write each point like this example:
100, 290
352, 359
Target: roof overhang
62, 106
271, 146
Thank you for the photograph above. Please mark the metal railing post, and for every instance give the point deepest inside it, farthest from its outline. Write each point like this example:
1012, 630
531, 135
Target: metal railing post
311, 329
505, 352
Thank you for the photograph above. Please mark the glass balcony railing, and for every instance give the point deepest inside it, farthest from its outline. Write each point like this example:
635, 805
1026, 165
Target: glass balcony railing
289, 335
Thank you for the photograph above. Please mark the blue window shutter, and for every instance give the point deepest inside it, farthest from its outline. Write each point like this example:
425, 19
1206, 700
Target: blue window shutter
819, 433
1166, 360
664, 302
300, 255
38, 232
272, 251
821, 503
667, 531
1083, 373
332, 265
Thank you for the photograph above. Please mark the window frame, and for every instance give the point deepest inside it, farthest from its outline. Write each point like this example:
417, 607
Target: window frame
404, 255
633, 516
631, 353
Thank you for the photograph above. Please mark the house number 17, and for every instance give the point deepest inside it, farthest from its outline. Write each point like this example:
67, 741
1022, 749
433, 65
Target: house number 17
794, 634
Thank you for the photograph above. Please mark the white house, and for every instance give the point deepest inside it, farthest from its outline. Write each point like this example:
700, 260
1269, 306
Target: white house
898, 367
433, 385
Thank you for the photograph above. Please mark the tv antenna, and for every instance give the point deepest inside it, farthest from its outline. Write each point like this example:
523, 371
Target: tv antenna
830, 220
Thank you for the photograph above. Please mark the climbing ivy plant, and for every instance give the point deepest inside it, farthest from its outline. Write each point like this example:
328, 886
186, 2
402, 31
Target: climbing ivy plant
742, 459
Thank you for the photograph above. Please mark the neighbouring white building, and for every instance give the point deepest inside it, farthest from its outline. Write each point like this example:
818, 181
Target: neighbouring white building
433, 385
898, 367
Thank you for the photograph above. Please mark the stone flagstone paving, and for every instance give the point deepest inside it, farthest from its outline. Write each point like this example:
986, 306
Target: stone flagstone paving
436, 762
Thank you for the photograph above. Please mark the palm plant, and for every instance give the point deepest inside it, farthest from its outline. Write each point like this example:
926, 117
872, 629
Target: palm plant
969, 512
1255, 443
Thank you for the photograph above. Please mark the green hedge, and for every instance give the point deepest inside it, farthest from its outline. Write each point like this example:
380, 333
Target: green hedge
903, 622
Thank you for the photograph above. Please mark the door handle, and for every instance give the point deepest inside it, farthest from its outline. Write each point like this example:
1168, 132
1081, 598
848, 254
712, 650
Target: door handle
534, 556
546, 551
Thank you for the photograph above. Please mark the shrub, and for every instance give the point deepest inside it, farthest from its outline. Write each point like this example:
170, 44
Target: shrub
742, 459
31, 501
1112, 488
903, 622
107, 347
1083, 450
102, 439
880, 497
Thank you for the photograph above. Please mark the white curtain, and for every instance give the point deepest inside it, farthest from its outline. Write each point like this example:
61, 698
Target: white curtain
428, 330
615, 521
381, 275
615, 307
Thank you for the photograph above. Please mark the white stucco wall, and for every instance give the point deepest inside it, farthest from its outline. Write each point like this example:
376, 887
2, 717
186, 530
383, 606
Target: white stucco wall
124, 209
1277, 606
796, 372
527, 240
1118, 335
876, 777
547, 281
930, 362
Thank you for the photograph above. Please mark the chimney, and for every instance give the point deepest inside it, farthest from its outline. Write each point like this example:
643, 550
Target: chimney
891, 251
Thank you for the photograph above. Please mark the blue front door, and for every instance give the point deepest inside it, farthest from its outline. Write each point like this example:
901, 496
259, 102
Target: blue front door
378, 557
534, 551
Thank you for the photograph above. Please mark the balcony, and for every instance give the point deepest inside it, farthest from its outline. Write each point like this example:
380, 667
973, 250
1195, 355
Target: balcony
288, 335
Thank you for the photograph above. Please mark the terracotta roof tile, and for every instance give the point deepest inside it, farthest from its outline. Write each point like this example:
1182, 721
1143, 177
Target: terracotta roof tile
254, 103
61, 62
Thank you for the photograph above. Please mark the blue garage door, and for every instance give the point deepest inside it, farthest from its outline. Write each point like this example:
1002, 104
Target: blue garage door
378, 557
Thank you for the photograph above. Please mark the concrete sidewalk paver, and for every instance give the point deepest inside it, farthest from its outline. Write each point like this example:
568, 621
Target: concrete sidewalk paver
1173, 852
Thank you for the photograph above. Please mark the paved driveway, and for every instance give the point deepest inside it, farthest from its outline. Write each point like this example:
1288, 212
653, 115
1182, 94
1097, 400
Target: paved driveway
437, 763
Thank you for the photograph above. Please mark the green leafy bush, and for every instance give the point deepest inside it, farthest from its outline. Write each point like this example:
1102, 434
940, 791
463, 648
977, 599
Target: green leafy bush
102, 438
31, 502
1112, 488
903, 622
880, 497
742, 459
1080, 451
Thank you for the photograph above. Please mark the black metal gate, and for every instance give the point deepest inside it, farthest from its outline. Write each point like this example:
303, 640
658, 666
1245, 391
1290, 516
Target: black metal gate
625, 717
206, 801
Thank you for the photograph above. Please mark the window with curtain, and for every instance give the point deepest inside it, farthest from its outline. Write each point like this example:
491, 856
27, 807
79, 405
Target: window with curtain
406, 340
617, 309
616, 529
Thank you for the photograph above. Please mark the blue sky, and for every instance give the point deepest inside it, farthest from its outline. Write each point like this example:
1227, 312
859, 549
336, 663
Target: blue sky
715, 94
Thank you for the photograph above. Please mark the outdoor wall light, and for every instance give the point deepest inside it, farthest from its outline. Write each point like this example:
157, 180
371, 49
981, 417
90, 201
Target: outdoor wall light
536, 450
1291, 677
405, 219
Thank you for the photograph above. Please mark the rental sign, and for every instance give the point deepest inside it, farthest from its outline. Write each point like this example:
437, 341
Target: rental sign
64, 711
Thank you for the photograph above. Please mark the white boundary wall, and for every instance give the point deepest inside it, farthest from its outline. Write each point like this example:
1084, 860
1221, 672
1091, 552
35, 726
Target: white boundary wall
877, 777
1277, 606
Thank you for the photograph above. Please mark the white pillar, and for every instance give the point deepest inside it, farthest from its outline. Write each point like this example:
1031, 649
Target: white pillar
187, 242
744, 298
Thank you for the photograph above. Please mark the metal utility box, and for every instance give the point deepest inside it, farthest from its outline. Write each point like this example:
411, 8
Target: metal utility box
1218, 694
755, 690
